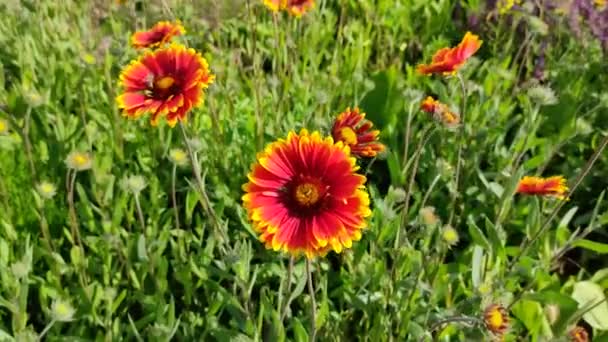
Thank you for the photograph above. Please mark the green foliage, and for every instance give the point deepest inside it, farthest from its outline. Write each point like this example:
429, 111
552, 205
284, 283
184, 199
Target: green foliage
81, 264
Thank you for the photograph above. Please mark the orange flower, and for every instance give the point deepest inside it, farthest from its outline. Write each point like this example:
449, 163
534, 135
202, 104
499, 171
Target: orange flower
448, 60
496, 319
295, 7
553, 186
166, 82
578, 334
304, 195
354, 130
440, 112
299, 7
158, 35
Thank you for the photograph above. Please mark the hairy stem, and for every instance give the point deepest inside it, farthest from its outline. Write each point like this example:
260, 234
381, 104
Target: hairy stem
461, 138
313, 303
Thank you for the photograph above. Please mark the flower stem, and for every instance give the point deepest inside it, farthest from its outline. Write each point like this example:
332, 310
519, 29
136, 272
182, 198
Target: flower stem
140, 213
525, 245
461, 136
313, 303
203, 198
288, 299
46, 329
173, 195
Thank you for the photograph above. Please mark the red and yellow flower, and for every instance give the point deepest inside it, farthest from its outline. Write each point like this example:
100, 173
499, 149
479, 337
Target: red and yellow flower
578, 334
448, 60
496, 319
354, 130
294, 7
298, 7
440, 112
167, 82
304, 195
553, 186
161, 33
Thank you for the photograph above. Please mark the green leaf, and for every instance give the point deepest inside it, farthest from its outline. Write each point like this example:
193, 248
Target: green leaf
598, 247
592, 300
477, 235
477, 266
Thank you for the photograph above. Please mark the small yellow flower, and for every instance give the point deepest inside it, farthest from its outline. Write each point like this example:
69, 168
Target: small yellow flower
3, 127
450, 235
600, 4
496, 319
178, 157
427, 214
46, 189
79, 161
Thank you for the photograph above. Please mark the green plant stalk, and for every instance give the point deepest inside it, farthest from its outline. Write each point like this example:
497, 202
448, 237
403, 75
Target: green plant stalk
461, 138
283, 308
203, 198
174, 197
259, 113
313, 303
46, 329
140, 213
525, 245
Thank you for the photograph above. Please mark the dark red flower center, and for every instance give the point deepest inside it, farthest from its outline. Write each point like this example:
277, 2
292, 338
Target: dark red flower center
163, 87
305, 194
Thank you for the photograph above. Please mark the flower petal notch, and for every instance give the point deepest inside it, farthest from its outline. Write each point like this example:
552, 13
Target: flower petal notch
305, 197
161, 33
167, 82
440, 112
352, 129
553, 187
447, 61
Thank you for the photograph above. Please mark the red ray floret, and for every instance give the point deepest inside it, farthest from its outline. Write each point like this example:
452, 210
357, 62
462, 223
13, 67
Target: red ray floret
553, 186
161, 33
304, 196
167, 82
354, 130
448, 60
298, 7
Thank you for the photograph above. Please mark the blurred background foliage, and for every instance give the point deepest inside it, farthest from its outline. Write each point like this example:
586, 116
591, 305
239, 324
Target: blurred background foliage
536, 104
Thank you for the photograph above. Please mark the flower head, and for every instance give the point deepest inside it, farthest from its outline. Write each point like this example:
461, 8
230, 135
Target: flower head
79, 161
3, 126
496, 319
428, 216
46, 190
299, 7
161, 33
62, 311
275, 5
167, 82
450, 235
304, 195
553, 186
354, 130
440, 112
178, 157
448, 60
578, 334
294, 7
134, 184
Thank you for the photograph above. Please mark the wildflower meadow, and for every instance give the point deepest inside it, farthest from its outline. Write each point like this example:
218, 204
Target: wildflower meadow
303, 170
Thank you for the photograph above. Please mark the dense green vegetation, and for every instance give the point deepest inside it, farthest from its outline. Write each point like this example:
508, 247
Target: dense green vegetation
104, 254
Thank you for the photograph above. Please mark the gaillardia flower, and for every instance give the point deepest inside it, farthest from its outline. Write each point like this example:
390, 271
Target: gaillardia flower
578, 334
440, 112
275, 5
167, 82
158, 35
496, 319
299, 7
304, 195
448, 60
553, 186
354, 130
